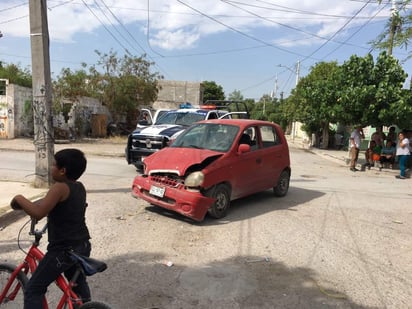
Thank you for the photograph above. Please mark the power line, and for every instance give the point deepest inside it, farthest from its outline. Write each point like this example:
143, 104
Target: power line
240, 32
132, 37
25, 16
337, 32
281, 24
148, 31
334, 35
356, 32
14, 7
124, 28
291, 10
107, 29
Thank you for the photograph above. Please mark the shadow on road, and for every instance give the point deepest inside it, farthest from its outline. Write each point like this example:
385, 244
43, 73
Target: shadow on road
251, 206
238, 282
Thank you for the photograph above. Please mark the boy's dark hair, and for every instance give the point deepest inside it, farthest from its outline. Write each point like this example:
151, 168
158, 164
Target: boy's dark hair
73, 160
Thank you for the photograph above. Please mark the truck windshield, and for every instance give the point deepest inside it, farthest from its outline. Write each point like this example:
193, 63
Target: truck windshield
184, 118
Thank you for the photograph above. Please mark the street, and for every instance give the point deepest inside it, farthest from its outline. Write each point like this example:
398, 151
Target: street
338, 240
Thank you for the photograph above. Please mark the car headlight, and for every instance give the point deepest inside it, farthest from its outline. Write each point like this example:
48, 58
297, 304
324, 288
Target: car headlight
194, 179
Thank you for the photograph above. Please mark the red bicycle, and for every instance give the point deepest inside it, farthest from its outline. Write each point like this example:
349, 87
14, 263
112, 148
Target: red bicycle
13, 279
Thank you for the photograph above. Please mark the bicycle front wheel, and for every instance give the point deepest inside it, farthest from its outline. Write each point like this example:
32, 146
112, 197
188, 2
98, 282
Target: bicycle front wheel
14, 296
95, 305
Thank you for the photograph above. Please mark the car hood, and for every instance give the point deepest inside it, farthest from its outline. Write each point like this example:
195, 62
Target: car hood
161, 129
179, 159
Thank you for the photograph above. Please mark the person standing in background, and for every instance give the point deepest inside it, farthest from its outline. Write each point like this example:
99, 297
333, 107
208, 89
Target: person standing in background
354, 144
392, 135
403, 152
378, 136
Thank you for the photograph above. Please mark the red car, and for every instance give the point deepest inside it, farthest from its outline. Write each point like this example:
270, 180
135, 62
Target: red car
214, 162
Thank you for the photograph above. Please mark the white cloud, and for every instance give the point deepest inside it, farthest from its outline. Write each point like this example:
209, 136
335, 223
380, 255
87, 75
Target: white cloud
173, 25
179, 39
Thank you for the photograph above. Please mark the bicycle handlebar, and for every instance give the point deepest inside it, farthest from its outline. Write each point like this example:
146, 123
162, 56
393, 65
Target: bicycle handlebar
33, 231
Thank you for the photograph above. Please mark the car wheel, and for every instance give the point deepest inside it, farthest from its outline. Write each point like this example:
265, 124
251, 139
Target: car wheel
282, 187
222, 195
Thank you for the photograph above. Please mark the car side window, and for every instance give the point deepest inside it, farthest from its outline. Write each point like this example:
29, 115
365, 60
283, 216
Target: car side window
270, 137
249, 137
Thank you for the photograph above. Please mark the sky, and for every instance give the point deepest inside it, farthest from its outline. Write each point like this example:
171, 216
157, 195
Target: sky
256, 47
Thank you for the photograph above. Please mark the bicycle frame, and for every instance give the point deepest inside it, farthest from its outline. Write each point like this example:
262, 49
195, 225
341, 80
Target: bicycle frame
29, 265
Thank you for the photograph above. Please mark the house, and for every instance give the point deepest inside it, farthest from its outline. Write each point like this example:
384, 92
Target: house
15, 110
87, 116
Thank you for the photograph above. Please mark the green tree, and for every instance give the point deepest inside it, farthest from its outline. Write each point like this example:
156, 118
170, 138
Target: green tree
123, 84
372, 93
314, 101
263, 109
402, 111
74, 84
236, 95
15, 74
398, 31
126, 83
212, 91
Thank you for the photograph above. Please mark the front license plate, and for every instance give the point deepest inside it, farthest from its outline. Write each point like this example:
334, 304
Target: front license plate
157, 191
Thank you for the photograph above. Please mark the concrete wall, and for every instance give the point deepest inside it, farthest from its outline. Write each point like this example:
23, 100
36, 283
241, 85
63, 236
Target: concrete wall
16, 116
81, 113
14, 121
173, 93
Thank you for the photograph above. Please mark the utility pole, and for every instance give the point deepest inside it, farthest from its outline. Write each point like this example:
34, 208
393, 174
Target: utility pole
297, 72
275, 89
294, 124
393, 26
42, 93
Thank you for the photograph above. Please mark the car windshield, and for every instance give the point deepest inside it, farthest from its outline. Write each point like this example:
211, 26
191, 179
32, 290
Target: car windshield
217, 137
183, 118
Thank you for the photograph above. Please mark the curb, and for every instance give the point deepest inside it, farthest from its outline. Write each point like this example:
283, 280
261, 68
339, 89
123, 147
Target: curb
8, 215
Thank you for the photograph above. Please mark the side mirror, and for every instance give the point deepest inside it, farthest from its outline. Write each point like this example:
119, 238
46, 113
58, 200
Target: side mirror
243, 148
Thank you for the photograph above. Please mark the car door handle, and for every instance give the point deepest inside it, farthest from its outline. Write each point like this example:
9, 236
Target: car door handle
258, 160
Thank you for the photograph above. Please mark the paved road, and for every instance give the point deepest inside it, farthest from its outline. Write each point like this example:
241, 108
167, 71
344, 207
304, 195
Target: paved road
337, 240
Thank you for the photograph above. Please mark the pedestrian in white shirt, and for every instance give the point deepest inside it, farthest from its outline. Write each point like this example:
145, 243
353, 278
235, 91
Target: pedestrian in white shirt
354, 144
403, 152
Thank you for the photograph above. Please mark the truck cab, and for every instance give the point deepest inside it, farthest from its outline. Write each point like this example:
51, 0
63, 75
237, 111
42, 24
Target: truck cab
145, 141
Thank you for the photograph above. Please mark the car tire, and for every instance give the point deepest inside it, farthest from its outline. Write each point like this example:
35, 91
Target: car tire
282, 186
222, 195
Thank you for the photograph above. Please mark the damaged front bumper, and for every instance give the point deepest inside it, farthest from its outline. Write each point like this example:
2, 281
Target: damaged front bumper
174, 197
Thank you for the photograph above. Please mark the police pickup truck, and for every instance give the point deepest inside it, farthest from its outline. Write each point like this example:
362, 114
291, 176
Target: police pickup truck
144, 141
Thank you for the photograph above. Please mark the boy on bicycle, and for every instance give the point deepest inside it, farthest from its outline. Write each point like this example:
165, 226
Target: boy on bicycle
65, 207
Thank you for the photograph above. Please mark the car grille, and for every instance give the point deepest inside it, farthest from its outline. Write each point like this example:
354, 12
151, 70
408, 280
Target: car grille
150, 142
168, 180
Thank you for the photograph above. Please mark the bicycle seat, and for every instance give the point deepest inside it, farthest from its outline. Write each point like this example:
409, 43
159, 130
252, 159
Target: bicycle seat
90, 266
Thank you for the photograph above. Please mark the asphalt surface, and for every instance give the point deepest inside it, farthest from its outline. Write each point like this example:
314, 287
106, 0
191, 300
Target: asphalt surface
112, 147
338, 240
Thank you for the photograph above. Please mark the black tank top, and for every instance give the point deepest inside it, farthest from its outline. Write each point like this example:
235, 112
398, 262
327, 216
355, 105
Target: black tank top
67, 222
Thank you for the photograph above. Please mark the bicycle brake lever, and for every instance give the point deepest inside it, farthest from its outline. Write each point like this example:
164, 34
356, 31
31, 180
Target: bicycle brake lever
33, 225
